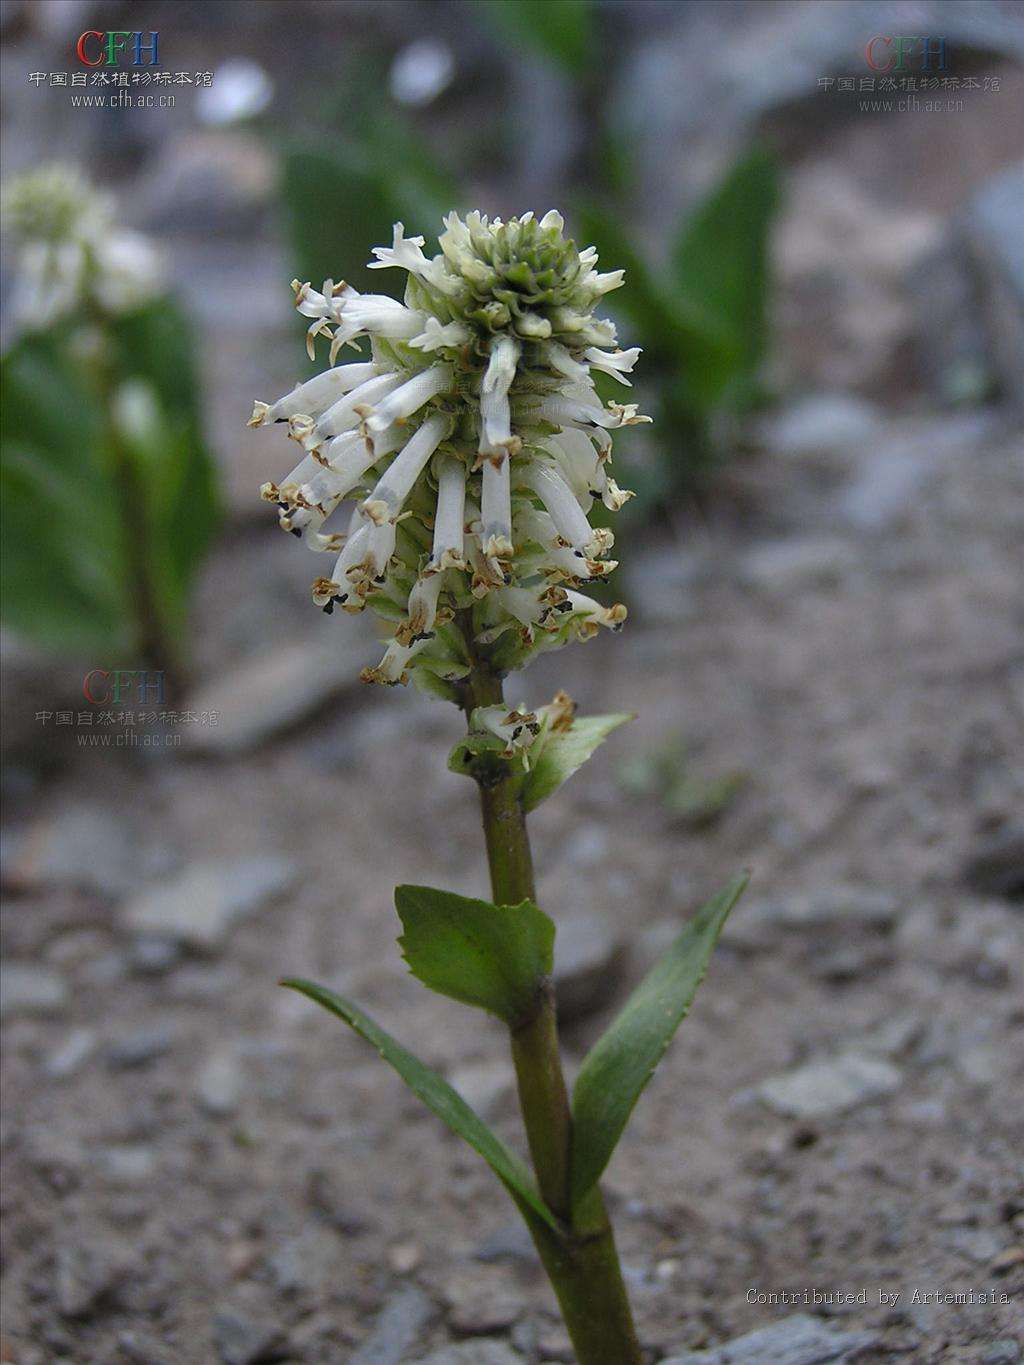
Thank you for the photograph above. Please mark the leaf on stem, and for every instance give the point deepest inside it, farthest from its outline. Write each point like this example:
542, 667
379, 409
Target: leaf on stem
557, 753
623, 1060
493, 956
438, 1096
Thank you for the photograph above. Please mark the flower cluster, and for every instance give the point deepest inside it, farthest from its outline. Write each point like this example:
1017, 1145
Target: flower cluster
73, 252
473, 444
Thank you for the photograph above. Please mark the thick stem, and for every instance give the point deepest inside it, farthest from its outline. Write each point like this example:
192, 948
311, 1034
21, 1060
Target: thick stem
582, 1263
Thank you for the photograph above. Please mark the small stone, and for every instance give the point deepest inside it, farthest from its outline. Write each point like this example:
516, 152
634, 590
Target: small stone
71, 1055
87, 848
219, 1084
781, 567
399, 1326
199, 907
996, 866
140, 1349
1005, 1261
892, 1037
980, 1245
272, 693
473, 1353
1004, 1352
405, 1257
243, 1340
849, 962
840, 909
830, 1085
483, 1085
588, 961
553, 1343
511, 1243
821, 424
153, 956
796, 1340
140, 1048
28, 989
480, 1305
128, 1164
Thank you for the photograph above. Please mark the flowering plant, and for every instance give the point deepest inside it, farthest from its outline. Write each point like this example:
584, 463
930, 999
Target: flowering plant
473, 445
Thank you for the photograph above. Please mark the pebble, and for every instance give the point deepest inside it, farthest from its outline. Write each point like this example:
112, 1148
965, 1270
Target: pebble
128, 1164
996, 865
830, 1085
28, 989
272, 693
797, 1340
198, 908
821, 424
243, 1340
141, 1349
153, 956
786, 566
479, 1305
399, 1326
758, 924
588, 961
140, 1048
219, 1083
510, 1243
483, 1085
473, 1353
405, 1257
70, 1055
1005, 1352
89, 849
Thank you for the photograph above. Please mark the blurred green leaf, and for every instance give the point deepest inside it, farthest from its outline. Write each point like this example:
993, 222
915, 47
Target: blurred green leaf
623, 1060
560, 29
720, 263
492, 956
71, 543
439, 1097
343, 197
556, 754
62, 541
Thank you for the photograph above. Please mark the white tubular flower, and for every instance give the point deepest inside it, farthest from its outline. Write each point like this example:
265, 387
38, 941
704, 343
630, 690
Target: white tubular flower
517, 729
468, 449
74, 254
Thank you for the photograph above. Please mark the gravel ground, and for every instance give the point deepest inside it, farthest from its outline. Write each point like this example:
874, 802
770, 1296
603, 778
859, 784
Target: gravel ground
200, 1167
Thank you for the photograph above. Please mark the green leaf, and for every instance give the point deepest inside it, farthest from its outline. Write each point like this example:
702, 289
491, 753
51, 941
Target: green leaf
493, 956
560, 29
720, 263
556, 754
438, 1096
62, 541
623, 1060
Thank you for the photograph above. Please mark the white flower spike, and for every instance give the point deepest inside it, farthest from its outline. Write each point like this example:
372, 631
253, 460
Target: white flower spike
473, 444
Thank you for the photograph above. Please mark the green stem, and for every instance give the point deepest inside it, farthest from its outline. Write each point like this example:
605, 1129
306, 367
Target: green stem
582, 1262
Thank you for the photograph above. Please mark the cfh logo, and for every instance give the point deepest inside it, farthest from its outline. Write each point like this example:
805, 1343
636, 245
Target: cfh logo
887, 53
107, 49
103, 686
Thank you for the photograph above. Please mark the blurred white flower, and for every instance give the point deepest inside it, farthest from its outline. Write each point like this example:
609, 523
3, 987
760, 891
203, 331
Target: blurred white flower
421, 71
73, 252
241, 89
472, 443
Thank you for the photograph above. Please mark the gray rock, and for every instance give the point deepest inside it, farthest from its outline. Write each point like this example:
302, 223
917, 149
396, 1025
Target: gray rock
785, 566
1005, 1352
28, 989
797, 1340
243, 1340
142, 1349
479, 1304
996, 865
71, 1055
140, 1048
473, 1353
857, 909
830, 1085
992, 231
588, 961
87, 848
273, 693
510, 1243
399, 1326
219, 1083
198, 908
980, 1245
821, 424
483, 1085
153, 956
127, 1164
